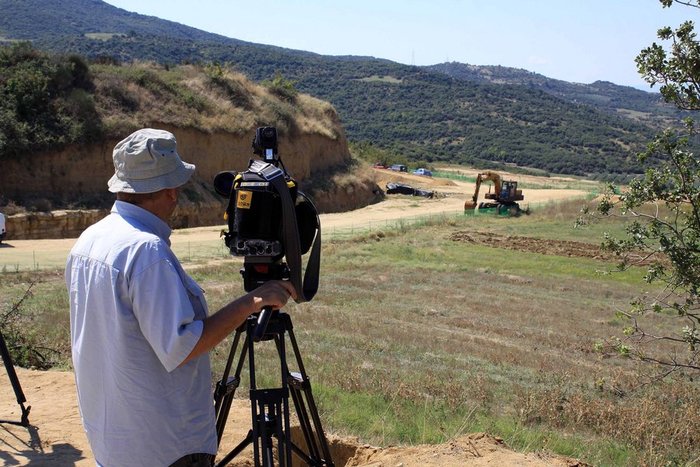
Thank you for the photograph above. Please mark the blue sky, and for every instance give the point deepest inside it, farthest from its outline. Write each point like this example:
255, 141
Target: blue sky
574, 40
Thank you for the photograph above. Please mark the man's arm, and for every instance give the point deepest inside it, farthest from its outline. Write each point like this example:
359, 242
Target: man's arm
222, 323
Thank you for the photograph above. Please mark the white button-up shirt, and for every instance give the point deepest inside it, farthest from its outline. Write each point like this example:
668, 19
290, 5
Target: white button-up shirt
135, 316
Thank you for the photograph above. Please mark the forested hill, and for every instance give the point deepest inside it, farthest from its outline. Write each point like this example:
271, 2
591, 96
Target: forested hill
601, 94
422, 113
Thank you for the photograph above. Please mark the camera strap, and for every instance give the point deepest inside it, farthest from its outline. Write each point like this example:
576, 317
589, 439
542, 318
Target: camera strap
290, 230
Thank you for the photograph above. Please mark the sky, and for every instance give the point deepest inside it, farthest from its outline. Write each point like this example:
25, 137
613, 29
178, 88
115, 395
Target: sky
580, 41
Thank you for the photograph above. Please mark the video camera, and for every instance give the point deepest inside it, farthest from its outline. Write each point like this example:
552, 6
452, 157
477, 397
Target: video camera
270, 219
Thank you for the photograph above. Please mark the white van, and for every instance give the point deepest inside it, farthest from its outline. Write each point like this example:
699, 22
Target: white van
2, 227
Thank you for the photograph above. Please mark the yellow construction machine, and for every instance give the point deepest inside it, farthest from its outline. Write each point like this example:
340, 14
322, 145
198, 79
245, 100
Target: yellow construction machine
503, 199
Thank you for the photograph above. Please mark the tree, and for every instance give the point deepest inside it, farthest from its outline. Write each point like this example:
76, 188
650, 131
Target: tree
45, 101
663, 207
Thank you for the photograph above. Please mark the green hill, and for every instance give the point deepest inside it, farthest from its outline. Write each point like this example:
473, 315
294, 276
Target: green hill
624, 100
426, 114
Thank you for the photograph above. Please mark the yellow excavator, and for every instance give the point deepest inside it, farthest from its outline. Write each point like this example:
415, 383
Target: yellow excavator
504, 197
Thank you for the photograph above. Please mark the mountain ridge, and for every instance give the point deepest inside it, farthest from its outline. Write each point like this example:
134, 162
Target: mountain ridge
602, 94
424, 114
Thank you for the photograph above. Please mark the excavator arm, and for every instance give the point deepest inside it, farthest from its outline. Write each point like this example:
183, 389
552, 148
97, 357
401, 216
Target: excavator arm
483, 177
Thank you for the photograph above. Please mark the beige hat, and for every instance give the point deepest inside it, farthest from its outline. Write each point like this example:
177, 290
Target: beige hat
147, 161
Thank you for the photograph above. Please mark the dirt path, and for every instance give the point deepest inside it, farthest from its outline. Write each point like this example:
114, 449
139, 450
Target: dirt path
40, 254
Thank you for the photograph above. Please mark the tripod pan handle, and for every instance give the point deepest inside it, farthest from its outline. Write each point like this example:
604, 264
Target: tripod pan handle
261, 326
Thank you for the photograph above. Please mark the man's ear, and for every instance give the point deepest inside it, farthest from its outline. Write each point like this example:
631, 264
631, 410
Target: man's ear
171, 193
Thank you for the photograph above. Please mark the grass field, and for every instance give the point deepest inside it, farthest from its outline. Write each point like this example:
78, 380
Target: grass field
416, 338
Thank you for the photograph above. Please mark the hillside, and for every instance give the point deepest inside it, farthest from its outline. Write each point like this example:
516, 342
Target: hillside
421, 113
60, 119
623, 100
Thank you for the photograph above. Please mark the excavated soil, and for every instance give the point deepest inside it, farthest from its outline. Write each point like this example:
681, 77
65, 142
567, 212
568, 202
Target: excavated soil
55, 437
548, 247
533, 245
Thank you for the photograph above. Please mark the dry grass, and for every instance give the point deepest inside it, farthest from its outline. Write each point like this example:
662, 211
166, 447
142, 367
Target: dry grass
662, 422
416, 338
411, 317
211, 99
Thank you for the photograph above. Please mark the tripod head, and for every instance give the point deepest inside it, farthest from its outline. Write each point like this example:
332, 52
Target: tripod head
256, 271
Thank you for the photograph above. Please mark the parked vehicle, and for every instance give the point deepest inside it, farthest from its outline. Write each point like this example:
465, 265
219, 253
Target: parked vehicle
423, 171
399, 168
402, 189
379, 165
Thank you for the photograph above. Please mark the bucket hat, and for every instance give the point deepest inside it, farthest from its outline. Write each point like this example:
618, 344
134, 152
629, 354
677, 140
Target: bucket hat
147, 161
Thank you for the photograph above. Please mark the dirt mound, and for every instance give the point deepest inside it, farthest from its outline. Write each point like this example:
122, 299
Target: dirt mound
55, 436
552, 247
477, 449
533, 245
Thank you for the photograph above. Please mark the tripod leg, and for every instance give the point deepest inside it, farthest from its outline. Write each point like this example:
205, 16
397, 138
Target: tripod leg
237, 450
269, 407
307, 412
220, 391
226, 387
285, 436
14, 381
307, 430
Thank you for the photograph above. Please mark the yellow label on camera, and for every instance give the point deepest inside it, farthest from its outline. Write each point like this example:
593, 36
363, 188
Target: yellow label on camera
243, 199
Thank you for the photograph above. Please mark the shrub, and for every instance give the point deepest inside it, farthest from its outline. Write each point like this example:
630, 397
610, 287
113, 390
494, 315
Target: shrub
46, 101
236, 93
281, 87
22, 342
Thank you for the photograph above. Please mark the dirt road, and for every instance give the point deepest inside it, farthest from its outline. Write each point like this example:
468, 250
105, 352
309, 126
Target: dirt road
41, 254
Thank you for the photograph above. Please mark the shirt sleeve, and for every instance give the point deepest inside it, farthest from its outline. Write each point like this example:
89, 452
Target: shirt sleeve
166, 317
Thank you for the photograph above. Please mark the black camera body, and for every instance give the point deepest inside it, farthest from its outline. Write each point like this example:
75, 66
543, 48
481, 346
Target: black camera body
255, 214
269, 220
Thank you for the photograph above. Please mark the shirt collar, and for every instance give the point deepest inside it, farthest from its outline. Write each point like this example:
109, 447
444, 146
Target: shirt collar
147, 219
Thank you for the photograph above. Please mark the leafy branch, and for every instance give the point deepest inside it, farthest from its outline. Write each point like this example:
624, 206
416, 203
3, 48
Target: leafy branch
663, 210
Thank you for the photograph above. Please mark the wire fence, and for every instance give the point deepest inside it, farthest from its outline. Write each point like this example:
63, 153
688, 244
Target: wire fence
373, 226
213, 249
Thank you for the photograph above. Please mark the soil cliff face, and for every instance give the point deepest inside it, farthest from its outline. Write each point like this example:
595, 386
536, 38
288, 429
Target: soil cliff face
83, 171
78, 174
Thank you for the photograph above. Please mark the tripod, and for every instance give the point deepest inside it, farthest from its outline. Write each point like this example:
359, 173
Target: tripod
270, 407
14, 381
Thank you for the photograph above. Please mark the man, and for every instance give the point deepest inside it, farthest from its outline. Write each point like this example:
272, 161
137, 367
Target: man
140, 328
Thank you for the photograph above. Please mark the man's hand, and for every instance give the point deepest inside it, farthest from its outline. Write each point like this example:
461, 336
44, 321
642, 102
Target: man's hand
274, 294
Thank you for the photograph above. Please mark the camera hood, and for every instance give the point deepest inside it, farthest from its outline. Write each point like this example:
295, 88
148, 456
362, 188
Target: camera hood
223, 182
